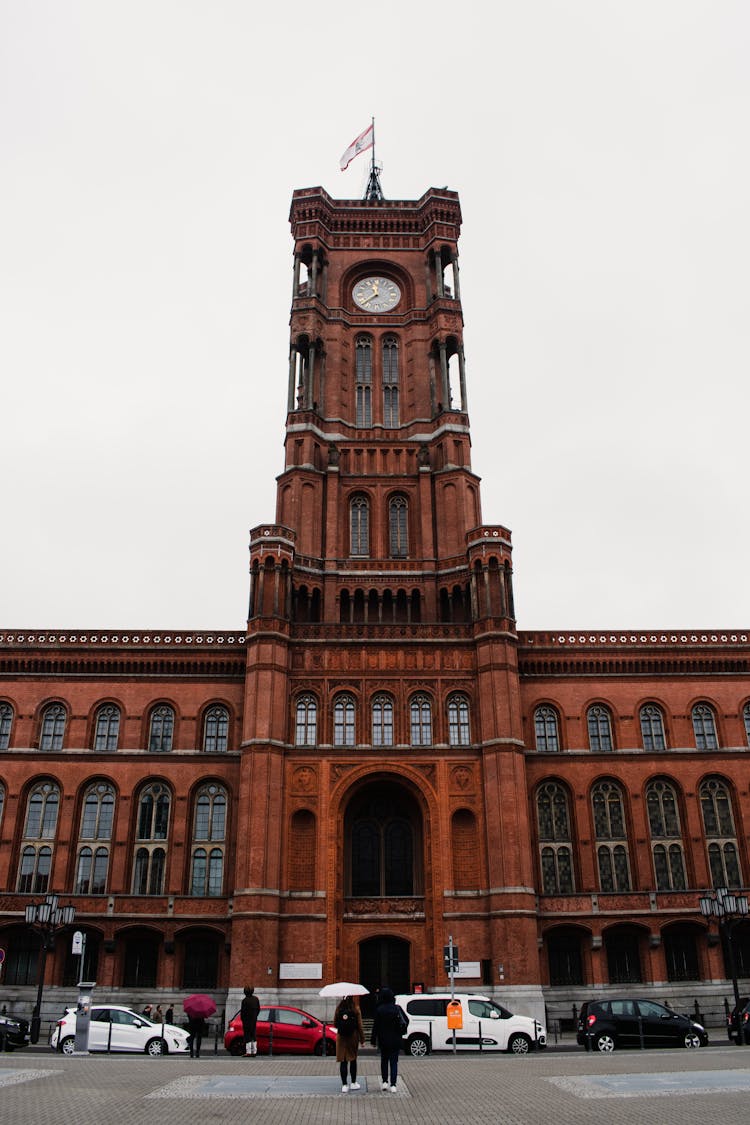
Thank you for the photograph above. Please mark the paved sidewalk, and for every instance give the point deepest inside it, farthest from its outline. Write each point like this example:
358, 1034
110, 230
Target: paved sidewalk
554, 1088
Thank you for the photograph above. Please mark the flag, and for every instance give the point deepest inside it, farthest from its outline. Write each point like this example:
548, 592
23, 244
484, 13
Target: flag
359, 144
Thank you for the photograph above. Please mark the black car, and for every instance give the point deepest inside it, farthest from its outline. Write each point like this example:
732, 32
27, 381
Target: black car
738, 1022
604, 1025
14, 1032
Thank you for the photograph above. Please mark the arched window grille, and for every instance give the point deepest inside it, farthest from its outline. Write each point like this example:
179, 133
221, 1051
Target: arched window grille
556, 855
382, 721
161, 729
306, 722
611, 836
216, 730
398, 527
600, 728
546, 729
359, 525
718, 824
107, 728
344, 721
53, 727
364, 381
6, 725
666, 836
459, 732
704, 728
390, 382
209, 837
652, 728
420, 710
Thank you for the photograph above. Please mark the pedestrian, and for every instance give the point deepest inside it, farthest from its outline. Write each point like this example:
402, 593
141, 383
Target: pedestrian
147, 1010
388, 1029
249, 1009
169, 1015
196, 1029
349, 1037
158, 1016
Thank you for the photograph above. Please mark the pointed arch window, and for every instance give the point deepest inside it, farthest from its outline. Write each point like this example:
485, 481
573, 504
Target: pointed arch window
359, 525
216, 730
107, 728
150, 854
704, 728
39, 827
556, 856
398, 527
363, 349
666, 836
344, 721
382, 721
2, 802
306, 722
390, 382
599, 723
611, 837
746, 719
652, 728
459, 731
546, 729
420, 710
53, 727
6, 725
161, 729
94, 839
209, 839
718, 824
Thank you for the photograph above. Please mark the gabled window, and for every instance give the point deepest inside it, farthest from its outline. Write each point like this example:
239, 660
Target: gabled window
40, 826
546, 729
718, 824
666, 836
306, 723
459, 733
6, 725
600, 729
216, 730
420, 710
107, 728
652, 728
359, 525
390, 382
152, 827
94, 839
556, 856
364, 381
611, 837
161, 729
398, 527
53, 727
382, 721
344, 721
209, 838
704, 728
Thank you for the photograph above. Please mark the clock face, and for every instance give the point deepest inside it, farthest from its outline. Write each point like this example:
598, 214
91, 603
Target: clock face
376, 294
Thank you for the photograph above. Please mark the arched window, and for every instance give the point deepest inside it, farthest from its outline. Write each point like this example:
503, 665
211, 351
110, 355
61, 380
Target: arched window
666, 836
359, 525
364, 381
546, 729
161, 729
107, 727
611, 837
39, 827
53, 727
216, 730
383, 829
344, 721
704, 728
382, 721
390, 382
152, 827
420, 710
459, 733
746, 718
209, 837
555, 839
306, 723
6, 725
718, 824
2, 802
652, 728
398, 527
600, 728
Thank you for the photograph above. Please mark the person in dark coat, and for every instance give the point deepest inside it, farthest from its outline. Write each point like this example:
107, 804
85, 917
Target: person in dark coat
347, 1045
169, 1017
196, 1029
387, 1033
249, 1015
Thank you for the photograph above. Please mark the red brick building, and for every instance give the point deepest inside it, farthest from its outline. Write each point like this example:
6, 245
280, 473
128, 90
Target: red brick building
380, 760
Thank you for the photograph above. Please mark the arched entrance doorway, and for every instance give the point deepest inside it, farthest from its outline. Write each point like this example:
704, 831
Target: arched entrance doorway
383, 962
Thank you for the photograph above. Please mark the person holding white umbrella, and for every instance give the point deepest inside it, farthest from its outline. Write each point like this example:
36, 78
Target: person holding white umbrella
350, 1035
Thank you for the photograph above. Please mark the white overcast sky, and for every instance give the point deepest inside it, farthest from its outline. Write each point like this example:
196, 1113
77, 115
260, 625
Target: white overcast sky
148, 153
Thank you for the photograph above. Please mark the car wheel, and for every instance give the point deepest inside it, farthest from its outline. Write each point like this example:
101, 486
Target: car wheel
692, 1039
237, 1047
519, 1044
156, 1047
418, 1046
68, 1045
604, 1042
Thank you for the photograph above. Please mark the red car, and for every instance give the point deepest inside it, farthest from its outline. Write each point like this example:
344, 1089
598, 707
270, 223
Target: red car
286, 1031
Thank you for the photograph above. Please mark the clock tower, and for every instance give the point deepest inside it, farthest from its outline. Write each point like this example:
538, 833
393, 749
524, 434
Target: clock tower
382, 752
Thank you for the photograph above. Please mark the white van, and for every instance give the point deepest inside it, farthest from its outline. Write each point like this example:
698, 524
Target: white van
484, 1022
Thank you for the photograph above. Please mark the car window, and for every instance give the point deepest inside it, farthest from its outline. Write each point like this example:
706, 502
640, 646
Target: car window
426, 1006
124, 1018
651, 1010
623, 1008
295, 1018
484, 1009
100, 1015
264, 1015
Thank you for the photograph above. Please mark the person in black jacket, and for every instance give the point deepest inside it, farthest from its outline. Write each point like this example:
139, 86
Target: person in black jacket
388, 1028
249, 1015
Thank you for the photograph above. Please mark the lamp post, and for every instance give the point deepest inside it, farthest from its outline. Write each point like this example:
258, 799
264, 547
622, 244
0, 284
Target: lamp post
728, 909
47, 918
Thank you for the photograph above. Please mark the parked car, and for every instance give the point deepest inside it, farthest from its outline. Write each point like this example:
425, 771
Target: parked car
738, 1022
484, 1021
604, 1025
14, 1032
116, 1028
291, 1031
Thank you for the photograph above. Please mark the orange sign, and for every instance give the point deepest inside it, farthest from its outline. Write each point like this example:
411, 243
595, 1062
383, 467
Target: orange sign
455, 1015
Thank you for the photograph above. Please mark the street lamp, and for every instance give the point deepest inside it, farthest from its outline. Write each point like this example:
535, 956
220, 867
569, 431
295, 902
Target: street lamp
47, 918
728, 909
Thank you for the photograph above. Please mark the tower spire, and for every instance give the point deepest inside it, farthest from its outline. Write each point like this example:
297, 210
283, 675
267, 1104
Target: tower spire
374, 191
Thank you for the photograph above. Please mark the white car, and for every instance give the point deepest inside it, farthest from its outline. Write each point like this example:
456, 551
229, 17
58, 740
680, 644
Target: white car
114, 1028
482, 1021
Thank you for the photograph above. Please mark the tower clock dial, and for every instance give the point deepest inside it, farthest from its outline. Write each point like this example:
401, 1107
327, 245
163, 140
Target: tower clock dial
376, 294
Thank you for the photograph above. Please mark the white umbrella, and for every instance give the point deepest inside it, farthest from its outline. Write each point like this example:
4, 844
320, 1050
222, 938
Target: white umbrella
343, 988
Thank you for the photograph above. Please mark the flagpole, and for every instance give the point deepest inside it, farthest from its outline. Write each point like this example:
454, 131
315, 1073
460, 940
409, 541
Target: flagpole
373, 146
